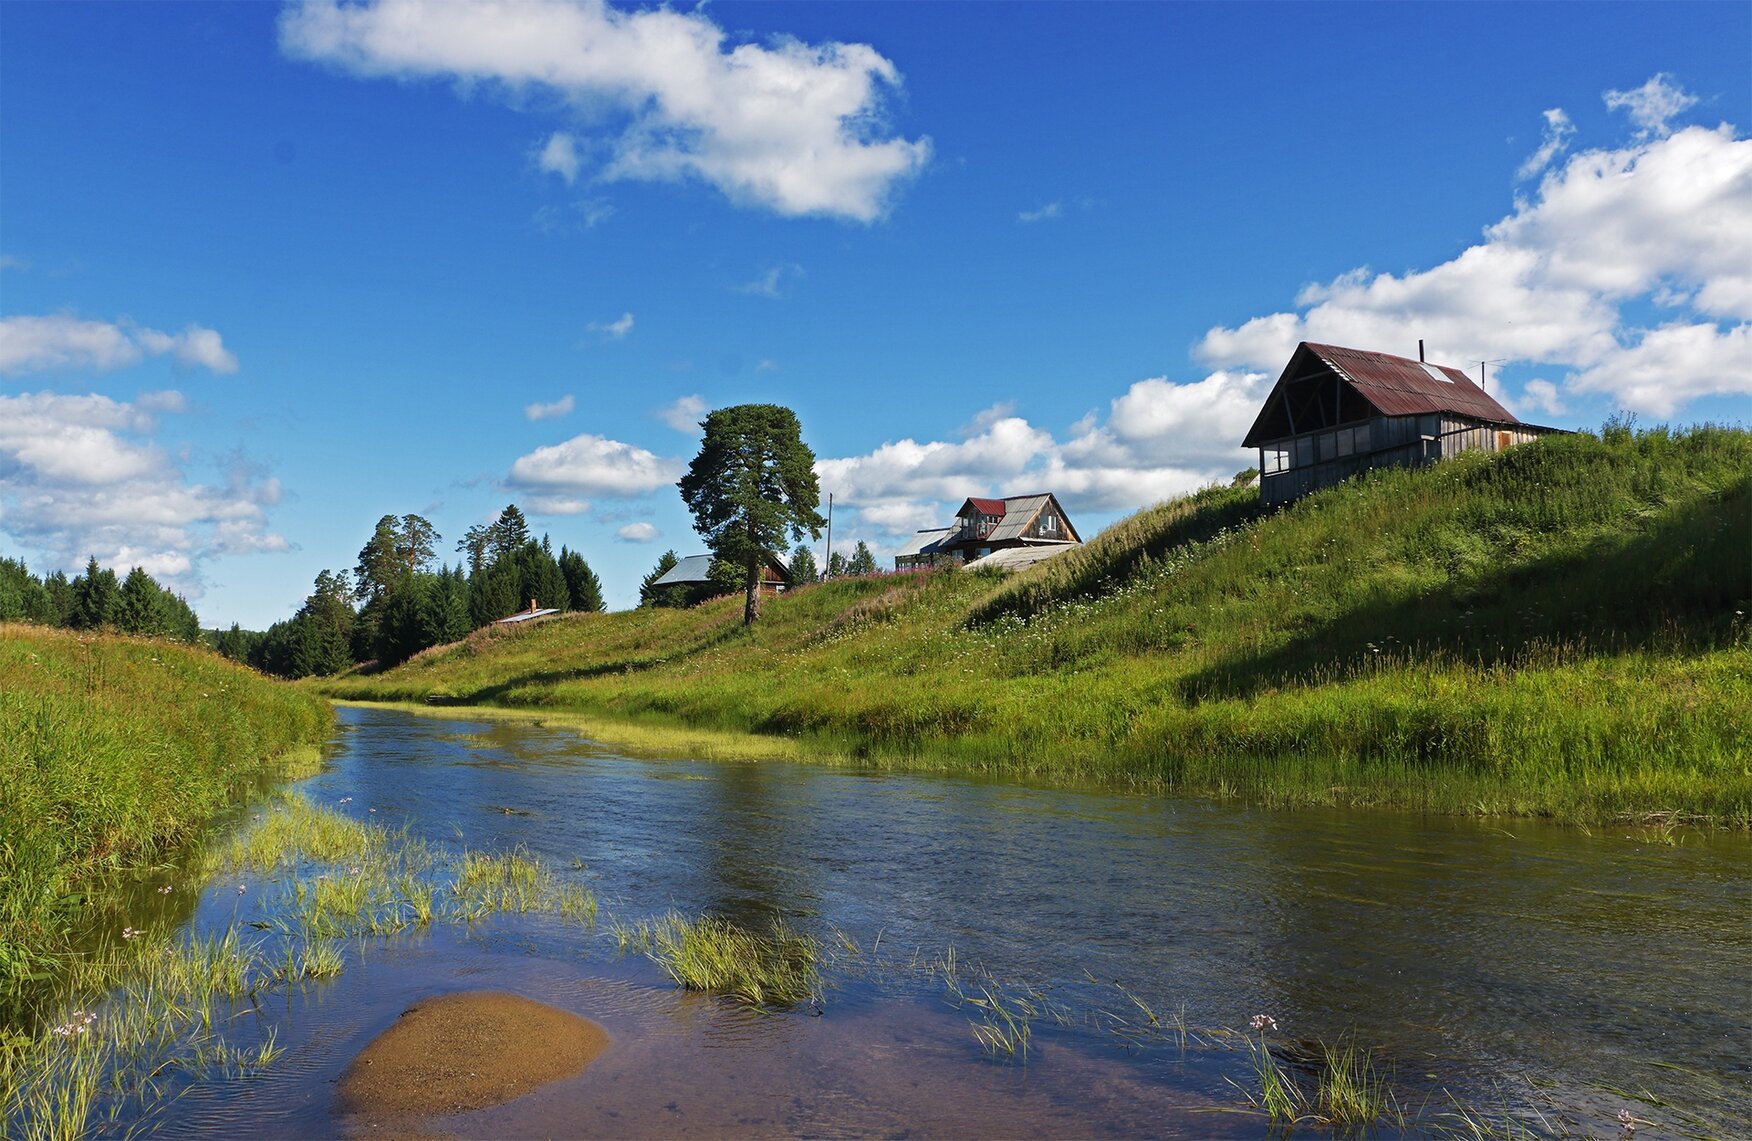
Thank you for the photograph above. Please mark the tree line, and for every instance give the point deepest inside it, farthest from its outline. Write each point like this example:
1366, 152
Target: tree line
96, 600
399, 599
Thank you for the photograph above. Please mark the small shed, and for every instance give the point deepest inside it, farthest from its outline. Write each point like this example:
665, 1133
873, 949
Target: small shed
1335, 412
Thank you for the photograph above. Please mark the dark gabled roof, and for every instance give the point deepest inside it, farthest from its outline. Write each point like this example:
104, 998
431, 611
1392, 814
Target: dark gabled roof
697, 569
1388, 386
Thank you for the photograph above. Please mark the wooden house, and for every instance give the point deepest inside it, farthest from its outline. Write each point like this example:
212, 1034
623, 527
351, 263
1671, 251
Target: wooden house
1335, 412
986, 525
693, 575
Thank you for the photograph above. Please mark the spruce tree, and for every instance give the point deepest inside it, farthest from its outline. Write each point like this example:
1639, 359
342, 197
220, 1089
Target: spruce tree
94, 597
803, 568
647, 589
862, 562
583, 588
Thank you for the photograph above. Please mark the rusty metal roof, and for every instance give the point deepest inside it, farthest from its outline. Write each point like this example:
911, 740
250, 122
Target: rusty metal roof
1392, 386
988, 506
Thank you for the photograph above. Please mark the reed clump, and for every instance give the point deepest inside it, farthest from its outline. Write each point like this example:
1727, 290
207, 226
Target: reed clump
1560, 630
775, 967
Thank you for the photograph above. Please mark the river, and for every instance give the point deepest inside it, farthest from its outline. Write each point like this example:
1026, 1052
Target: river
1514, 965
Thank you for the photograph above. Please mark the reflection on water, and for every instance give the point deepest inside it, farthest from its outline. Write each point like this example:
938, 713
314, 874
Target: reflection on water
1469, 950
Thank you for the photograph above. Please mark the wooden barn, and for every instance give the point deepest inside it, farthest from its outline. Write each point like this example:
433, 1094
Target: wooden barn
1335, 412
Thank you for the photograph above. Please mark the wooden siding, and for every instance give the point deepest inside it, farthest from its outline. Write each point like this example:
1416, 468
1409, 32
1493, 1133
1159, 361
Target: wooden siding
1292, 467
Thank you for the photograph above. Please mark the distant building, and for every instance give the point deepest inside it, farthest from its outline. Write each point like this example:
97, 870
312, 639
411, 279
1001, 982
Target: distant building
986, 525
925, 550
1336, 412
534, 612
695, 573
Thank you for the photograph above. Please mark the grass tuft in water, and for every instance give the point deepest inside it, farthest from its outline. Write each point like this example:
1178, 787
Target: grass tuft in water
777, 967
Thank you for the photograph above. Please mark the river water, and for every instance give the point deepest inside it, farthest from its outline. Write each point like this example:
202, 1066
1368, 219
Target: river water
1513, 965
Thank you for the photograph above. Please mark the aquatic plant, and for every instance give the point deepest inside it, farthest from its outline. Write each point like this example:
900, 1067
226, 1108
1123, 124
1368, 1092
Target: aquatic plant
775, 967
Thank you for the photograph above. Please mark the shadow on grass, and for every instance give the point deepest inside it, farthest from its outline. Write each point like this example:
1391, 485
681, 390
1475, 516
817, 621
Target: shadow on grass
1673, 586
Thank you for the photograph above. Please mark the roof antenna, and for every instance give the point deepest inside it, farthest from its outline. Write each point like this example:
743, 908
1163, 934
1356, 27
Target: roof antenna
1420, 359
1484, 369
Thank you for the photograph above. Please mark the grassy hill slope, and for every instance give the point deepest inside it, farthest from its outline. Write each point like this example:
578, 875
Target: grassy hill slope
113, 748
1558, 630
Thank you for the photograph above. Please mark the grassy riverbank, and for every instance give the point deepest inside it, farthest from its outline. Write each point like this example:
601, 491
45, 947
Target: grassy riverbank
1562, 630
112, 750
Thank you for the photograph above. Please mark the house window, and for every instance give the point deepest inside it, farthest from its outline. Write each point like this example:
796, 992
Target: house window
1304, 451
1048, 525
1361, 431
1274, 460
1327, 446
1342, 440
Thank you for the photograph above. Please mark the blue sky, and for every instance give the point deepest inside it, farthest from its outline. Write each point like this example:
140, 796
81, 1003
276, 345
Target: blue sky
268, 273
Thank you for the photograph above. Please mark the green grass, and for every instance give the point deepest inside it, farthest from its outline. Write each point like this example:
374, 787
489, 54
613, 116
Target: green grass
113, 750
1562, 630
776, 967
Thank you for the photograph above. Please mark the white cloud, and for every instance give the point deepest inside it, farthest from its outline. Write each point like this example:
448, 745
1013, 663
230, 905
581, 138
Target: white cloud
1653, 106
771, 283
637, 533
1558, 132
1044, 213
584, 214
560, 156
81, 476
1157, 439
793, 127
1665, 221
560, 476
39, 344
615, 330
684, 415
9, 261
1540, 396
561, 407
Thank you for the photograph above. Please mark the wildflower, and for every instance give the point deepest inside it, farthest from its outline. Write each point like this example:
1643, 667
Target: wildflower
241, 888
1628, 1120
165, 890
346, 800
1264, 1022
132, 932
371, 810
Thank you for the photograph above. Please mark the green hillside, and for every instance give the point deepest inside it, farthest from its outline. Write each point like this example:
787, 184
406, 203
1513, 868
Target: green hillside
113, 749
1558, 630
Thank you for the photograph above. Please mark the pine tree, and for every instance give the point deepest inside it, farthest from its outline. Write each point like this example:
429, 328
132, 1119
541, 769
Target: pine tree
862, 562
94, 597
803, 565
647, 590
583, 588
836, 565
141, 607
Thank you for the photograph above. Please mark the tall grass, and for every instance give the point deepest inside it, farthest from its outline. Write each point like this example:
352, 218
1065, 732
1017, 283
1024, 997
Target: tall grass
1563, 629
113, 750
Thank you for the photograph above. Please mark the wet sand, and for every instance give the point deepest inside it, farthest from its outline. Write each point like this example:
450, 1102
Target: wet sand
459, 1052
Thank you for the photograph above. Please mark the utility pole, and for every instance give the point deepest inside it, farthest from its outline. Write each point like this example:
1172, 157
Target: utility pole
827, 564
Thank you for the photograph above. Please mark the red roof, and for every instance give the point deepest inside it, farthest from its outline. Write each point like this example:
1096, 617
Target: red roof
988, 506
1392, 386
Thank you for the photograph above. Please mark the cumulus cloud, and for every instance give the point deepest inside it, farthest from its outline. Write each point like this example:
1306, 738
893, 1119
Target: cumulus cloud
82, 476
1666, 220
792, 127
1653, 106
1158, 439
559, 477
684, 415
559, 155
1558, 131
637, 533
615, 330
41, 344
561, 407
1045, 213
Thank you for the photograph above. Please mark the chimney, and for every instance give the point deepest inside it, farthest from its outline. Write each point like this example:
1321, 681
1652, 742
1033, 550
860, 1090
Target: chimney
1420, 359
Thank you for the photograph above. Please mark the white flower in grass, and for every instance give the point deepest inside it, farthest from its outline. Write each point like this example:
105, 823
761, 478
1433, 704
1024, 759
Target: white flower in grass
1264, 1022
